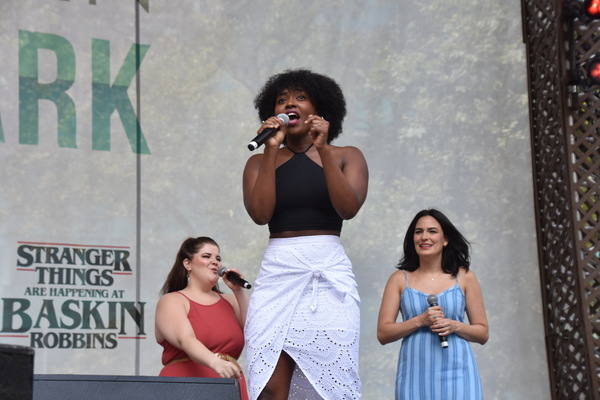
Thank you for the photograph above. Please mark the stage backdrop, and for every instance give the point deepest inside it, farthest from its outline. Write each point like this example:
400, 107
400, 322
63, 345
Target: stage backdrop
112, 153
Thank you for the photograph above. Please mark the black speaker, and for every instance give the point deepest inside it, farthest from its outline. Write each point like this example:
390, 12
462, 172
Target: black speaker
125, 387
16, 372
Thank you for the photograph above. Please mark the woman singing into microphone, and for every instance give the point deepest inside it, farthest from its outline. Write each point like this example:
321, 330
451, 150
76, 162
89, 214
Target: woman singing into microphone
303, 324
198, 326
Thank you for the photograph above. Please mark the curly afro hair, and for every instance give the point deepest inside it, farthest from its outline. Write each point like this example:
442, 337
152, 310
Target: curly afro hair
324, 92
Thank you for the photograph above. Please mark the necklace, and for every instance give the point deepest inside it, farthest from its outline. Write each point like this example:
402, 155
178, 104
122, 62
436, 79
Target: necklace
301, 152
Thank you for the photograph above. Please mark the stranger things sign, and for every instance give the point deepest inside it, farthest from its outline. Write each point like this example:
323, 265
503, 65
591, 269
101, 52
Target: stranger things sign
71, 296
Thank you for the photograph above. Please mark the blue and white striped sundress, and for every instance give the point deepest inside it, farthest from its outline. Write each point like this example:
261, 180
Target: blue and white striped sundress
426, 371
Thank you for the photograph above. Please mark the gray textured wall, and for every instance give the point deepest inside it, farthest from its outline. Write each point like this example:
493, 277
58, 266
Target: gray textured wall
437, 101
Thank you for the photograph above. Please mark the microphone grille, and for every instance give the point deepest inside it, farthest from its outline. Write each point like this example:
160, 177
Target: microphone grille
284, 118
432, 299
222, 271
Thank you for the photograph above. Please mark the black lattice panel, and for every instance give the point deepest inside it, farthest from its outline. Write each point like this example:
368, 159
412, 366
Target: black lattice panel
584, 157
565, 124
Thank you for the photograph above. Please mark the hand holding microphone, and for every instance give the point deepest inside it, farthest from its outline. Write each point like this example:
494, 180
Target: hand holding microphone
433, 301
266, 134
234, 277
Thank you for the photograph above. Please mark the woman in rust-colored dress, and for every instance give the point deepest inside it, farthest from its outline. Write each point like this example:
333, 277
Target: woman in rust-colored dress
199, 327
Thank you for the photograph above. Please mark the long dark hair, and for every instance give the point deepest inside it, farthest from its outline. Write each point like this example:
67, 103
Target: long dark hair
455, 254
325, 94
178, 277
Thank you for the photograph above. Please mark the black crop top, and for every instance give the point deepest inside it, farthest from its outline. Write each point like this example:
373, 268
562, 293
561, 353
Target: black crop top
302, 199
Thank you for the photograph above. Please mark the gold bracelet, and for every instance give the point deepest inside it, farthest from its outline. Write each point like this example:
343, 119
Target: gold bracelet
225, 357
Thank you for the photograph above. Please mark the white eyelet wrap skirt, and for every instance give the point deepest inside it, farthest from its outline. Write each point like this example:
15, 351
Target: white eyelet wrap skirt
305, 303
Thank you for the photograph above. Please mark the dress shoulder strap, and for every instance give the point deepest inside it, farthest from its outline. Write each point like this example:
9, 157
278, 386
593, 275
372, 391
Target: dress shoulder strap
457, 283
405, 277
183, 295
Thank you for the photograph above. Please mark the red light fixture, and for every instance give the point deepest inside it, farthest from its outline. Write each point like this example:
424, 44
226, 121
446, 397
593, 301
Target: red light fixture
592, 8
594, 71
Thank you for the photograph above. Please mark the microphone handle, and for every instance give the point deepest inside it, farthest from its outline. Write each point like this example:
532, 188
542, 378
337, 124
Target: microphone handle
235, 278
243, 283
443, 339
260, 138
264, 135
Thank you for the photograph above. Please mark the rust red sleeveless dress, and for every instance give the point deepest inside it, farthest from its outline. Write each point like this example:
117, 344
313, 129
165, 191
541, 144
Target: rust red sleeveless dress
218, 329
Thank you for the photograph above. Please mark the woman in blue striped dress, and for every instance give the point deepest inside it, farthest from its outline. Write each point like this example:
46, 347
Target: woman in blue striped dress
436, 262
